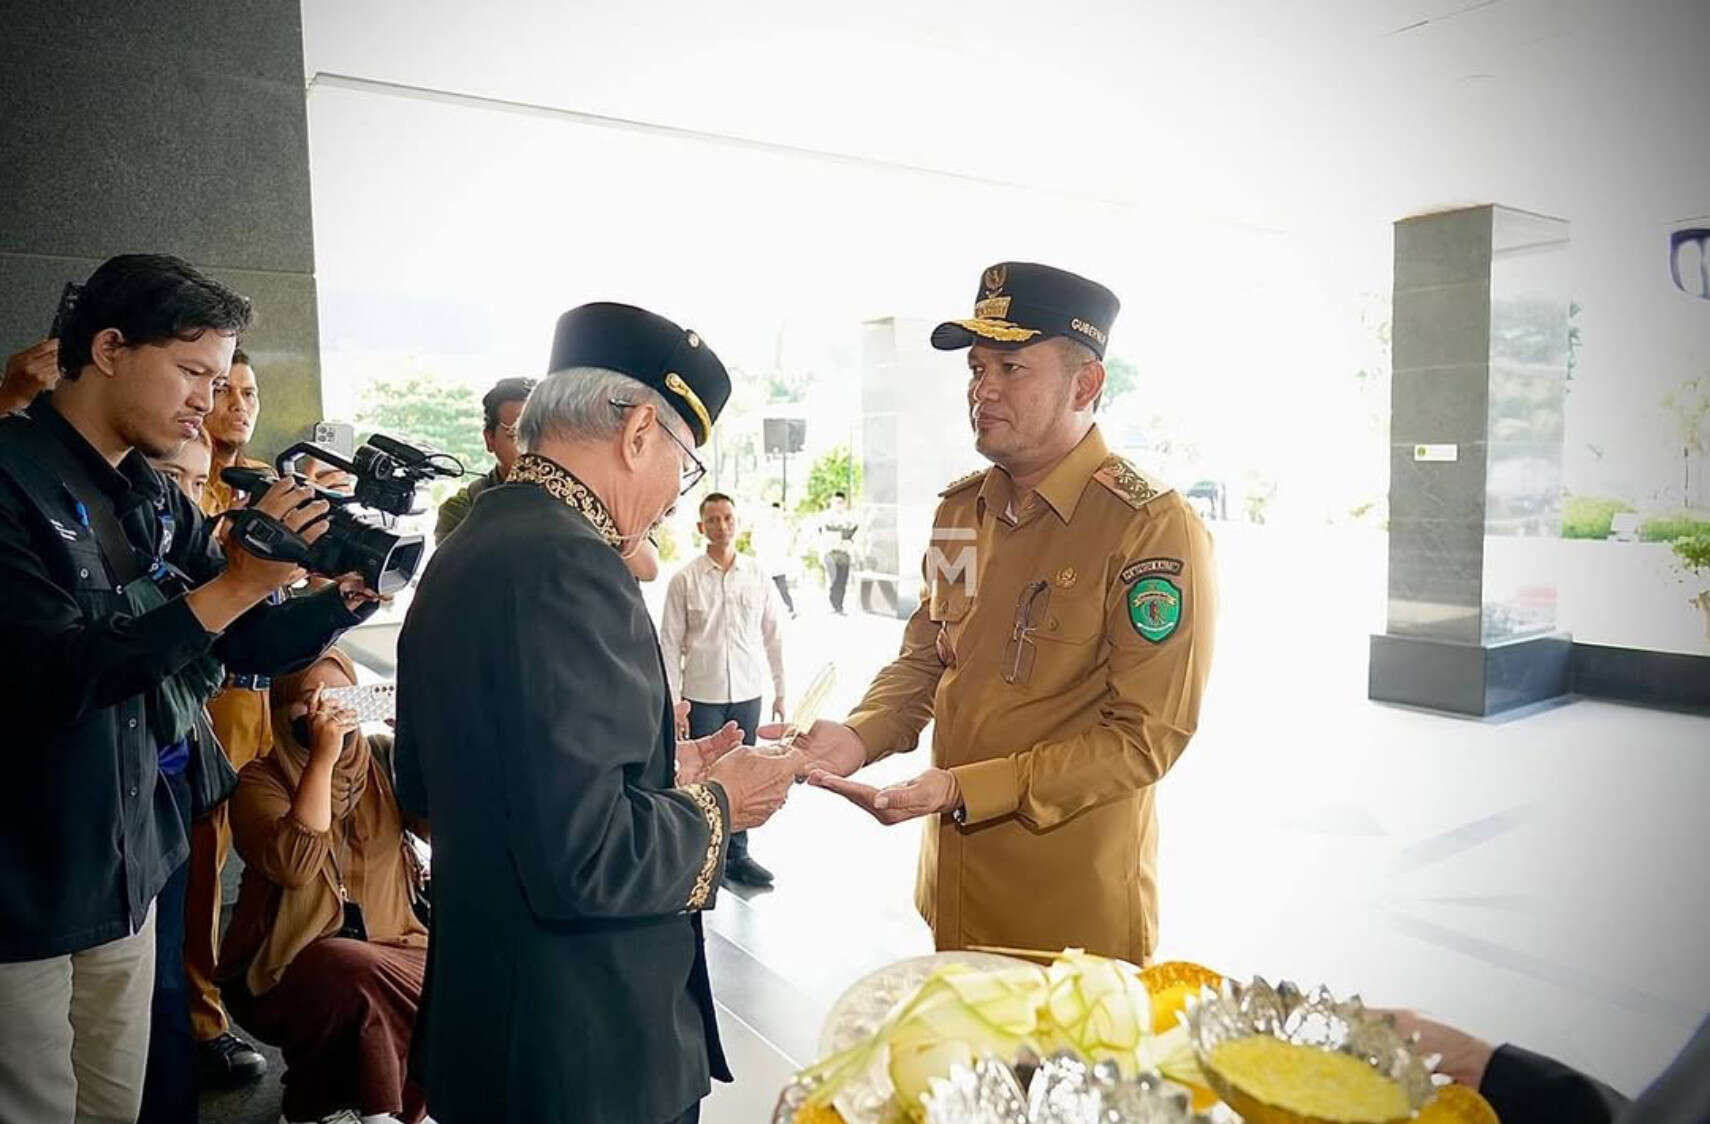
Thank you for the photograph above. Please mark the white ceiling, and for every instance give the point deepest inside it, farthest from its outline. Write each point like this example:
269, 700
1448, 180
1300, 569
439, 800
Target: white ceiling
1281, 114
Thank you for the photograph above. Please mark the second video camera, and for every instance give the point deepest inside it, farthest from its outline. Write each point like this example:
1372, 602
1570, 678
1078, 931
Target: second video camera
388, 475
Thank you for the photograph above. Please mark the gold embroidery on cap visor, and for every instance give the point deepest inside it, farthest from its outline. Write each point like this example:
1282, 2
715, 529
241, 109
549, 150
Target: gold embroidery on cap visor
677, 386
1001, 330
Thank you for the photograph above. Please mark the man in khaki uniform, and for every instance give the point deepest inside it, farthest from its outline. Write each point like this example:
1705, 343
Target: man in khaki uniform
242, 724
1061, 648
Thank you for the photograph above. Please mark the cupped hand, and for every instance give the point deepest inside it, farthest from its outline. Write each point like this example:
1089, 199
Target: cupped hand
932, 793
697, 756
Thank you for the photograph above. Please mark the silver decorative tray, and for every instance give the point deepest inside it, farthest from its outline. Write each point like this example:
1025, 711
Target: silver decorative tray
1320, 1020
871, 1098
1063, 1089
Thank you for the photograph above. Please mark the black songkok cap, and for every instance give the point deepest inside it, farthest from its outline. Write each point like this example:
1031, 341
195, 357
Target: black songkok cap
649, 349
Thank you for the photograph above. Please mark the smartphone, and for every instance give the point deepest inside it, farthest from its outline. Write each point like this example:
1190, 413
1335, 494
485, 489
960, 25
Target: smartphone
372, 702
66, 296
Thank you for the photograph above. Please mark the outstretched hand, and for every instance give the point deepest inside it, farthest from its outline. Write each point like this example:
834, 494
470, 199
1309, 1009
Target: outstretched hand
932, 793
696, 756
828, 746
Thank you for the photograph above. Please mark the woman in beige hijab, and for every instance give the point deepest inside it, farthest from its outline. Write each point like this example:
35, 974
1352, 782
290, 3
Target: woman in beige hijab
325, 956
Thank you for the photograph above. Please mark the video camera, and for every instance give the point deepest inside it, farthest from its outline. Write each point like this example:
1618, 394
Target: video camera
388, 475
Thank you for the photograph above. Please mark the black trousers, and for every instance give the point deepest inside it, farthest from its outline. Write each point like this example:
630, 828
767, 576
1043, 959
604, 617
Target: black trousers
782, 581
706, 718
171, 1082
839, 563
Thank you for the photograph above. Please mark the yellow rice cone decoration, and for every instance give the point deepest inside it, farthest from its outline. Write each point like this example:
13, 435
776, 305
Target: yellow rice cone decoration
1170, 985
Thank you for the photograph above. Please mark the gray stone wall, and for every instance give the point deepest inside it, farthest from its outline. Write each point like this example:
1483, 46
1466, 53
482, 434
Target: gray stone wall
1441, 360
172, 128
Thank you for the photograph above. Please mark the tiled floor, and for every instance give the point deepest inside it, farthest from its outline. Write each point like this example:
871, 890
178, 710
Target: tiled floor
1540, 878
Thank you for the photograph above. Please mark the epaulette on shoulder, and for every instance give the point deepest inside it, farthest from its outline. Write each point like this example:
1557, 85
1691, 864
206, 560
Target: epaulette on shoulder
962, 482
1133, 486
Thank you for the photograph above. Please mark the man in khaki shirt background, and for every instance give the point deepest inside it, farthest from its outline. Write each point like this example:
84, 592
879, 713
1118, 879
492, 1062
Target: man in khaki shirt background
241, 722
1061, 649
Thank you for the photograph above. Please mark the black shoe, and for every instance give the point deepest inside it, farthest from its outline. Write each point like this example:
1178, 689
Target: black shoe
228, 1062
744, 871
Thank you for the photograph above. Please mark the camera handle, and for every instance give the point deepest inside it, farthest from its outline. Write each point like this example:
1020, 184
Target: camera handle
266, 537
320, 452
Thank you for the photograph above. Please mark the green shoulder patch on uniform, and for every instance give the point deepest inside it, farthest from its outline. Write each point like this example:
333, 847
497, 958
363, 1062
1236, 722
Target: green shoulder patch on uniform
1127, 482
1155, 608
961, 482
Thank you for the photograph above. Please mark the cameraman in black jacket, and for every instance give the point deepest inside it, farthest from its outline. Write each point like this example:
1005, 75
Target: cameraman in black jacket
117, 610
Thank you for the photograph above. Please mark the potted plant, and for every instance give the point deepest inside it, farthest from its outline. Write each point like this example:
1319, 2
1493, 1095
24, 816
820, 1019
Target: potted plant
1692, 555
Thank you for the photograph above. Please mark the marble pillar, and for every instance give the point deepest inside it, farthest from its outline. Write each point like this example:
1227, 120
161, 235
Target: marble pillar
914, 440
1480, 373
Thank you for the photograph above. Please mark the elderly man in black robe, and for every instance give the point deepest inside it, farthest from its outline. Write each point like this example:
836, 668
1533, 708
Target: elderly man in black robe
575, 840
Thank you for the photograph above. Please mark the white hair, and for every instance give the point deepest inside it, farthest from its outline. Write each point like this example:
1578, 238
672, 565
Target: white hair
575, 404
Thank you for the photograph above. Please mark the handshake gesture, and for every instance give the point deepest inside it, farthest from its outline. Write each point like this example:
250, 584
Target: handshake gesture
828, 752
756, 780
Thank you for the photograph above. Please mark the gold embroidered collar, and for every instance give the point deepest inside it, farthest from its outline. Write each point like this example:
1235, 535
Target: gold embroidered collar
560, 483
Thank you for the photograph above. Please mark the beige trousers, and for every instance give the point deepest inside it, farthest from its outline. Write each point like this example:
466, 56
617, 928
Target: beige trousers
74, 1033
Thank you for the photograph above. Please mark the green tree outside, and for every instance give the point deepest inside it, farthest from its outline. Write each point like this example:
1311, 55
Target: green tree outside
422, 408
1690, 404
1120, 377
834, 471
1591, 517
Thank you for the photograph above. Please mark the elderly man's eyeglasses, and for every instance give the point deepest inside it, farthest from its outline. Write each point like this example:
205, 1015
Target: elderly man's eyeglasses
694, 471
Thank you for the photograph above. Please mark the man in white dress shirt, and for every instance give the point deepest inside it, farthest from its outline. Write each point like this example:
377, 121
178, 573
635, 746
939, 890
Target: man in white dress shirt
719, 636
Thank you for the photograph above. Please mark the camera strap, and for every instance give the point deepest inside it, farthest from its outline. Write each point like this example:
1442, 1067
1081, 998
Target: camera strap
355, 926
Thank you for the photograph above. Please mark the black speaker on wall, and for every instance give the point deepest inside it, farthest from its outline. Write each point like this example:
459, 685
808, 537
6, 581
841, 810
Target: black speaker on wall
784, 436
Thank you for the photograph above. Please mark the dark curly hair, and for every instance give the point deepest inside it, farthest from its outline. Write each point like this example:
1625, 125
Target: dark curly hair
148, 298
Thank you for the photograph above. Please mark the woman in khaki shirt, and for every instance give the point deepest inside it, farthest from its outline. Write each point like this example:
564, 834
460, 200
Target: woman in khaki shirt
325, 956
